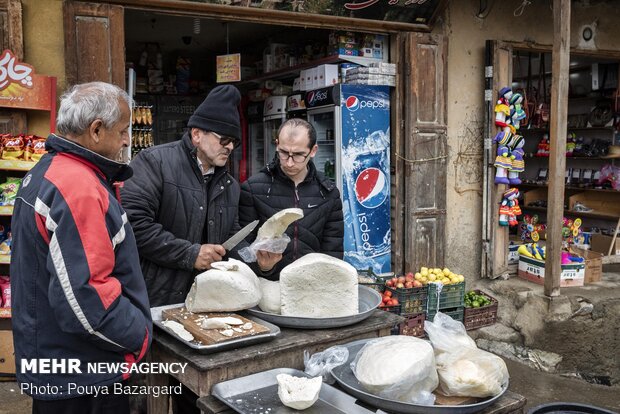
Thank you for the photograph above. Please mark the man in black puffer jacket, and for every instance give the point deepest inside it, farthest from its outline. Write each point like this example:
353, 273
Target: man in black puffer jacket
181, 201
291, 180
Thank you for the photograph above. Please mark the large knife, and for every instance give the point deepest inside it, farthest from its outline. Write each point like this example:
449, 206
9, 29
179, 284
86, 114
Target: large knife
240, 235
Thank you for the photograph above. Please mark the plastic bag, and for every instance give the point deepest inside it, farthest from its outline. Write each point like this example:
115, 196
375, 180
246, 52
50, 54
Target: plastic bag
464, 370
275, 245
399, 368
322, 363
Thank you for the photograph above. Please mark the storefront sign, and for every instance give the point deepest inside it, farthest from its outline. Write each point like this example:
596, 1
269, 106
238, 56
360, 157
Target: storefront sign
21, 88
402, 11
228, 68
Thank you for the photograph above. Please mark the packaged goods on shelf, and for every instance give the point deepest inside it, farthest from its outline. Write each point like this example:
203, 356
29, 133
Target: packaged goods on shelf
384, 67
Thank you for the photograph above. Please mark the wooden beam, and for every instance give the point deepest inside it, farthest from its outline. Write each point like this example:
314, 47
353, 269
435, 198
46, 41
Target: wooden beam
557, 156
266, 16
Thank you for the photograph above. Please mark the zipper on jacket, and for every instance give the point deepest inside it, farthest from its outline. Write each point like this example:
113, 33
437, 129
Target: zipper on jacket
295, 232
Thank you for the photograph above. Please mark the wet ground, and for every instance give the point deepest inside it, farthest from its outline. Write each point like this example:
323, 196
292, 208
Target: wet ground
538, 387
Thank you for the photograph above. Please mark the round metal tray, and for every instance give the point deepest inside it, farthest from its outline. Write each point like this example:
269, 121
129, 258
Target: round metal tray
346, 379
369, 300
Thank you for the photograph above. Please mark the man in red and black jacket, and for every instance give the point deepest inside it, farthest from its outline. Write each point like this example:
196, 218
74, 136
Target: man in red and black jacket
77, 288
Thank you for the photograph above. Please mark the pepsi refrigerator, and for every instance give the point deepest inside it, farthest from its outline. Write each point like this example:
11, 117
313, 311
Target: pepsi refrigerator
353, 133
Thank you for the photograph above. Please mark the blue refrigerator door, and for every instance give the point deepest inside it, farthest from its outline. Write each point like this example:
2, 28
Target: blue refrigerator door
365, 171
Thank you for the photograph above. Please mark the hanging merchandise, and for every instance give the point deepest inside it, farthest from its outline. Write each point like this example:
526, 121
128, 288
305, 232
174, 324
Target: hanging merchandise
531, 229
509, 114
571, 229
509, 208
502, 162
543, 146
517, 164
502, 108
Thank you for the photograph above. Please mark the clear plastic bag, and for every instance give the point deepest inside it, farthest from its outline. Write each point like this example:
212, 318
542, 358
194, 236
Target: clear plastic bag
322, 363
464, 370
276, 245
415, 383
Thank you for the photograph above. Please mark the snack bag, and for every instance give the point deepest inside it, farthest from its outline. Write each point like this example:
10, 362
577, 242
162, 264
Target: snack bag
5, 246
5, 290
13, 147
8, 191
38, 148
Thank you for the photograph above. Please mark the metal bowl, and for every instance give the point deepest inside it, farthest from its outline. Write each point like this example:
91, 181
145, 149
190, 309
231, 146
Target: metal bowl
349, 383
369, 300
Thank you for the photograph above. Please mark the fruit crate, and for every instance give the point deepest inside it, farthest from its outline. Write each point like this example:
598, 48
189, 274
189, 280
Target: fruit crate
412, 300
391, 309
454, 313
413, 325
451, 296
475, 318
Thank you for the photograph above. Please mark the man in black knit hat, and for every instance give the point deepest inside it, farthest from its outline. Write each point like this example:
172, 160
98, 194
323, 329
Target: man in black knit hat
182, 203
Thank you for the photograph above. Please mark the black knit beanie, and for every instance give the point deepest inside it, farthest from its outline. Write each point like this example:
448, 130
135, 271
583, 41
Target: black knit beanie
219, 112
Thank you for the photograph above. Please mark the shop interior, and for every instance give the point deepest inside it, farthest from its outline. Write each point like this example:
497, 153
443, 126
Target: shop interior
174, 59
592, 150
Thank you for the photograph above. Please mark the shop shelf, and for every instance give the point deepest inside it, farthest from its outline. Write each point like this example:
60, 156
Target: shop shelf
575, 213
5, 259
6, 210
5, 312
16, 165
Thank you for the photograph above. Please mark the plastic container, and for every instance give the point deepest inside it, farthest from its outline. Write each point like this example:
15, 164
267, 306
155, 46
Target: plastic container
411, 300
451, 296
413, 325
454, 313
475, 318
568, 408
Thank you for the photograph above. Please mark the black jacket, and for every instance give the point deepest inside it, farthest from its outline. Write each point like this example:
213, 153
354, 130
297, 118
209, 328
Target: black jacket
169, 203
320, 230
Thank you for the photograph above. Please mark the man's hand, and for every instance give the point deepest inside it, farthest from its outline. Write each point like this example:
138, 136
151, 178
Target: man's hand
208, 254
267, 260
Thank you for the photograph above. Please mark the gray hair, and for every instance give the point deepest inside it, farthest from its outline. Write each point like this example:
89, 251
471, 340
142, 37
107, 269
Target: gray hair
82, 104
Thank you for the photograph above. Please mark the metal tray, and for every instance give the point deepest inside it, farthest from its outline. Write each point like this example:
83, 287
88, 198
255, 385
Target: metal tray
258, 393
156, 314
369, 300
347, 381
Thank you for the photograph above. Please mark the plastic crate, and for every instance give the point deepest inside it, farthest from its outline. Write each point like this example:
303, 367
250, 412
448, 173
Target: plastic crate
392, 309
413, 325
411, 300
373, 281
451, 296
475, 318
454, 313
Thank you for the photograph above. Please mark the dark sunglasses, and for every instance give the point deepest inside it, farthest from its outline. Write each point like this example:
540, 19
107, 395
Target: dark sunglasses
227, 140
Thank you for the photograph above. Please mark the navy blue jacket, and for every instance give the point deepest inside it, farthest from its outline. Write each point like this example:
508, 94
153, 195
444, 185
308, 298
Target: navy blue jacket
76, 285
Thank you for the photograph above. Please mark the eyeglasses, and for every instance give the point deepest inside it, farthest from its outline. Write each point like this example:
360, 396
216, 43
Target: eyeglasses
227, 140
285, 155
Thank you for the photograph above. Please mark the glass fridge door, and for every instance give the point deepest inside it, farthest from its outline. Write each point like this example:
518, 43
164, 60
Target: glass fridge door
270, 128
323, 121
257, 147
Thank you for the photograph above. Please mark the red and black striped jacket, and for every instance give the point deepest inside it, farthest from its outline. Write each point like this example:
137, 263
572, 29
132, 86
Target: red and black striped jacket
76, 284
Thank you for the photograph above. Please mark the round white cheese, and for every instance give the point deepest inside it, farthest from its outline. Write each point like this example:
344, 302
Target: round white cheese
298, 393
270, 300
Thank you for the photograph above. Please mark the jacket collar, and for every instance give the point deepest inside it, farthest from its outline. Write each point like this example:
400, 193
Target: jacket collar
274, 170
191, 151
110, 169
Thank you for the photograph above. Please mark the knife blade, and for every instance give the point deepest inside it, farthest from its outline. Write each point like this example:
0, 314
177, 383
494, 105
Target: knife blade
240, 235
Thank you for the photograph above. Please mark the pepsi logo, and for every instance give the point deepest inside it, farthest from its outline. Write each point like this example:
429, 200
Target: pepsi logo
352, 103
316, 96
371, 188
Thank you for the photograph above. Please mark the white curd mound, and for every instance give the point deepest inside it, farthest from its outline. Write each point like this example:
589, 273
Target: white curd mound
298, 393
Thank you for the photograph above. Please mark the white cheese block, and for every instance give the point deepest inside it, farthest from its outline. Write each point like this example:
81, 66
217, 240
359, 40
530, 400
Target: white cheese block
220, 323
228, 286
270, 301
276, 225
319, 286
178, 329
400, 367
298, 393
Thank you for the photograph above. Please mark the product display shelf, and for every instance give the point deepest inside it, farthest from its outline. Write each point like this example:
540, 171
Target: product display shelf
572, 188
569, 158
6, 210
575, 213
5, 259
16, 165
294, 70
569, 129
5, 313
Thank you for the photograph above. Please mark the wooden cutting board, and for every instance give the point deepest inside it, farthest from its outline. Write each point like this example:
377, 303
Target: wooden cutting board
192, 322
